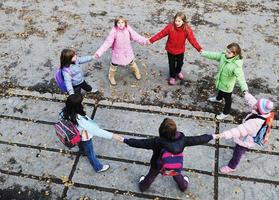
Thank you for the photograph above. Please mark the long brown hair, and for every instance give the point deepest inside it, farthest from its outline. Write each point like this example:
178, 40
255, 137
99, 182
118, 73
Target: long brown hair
118, 18
66, 57
183, 17
235, 49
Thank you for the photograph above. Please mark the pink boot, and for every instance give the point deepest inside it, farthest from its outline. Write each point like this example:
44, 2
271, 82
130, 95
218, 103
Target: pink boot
172, 81
226, 170
180, 76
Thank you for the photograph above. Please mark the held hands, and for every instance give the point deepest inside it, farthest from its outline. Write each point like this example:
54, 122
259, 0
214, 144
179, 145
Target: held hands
148, 42
217, 136
96, 56
118, 137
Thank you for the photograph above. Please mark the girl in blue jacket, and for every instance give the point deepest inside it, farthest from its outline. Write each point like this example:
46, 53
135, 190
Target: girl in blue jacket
88, 128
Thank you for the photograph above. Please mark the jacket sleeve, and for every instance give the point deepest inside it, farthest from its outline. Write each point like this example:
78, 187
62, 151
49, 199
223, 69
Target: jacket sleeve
137, 37
68, 82
212, 55
141, 143
196, 140
249, 127
192, 39
161, 34
84, 59
240, 78
93, 129
107, 43
250, 99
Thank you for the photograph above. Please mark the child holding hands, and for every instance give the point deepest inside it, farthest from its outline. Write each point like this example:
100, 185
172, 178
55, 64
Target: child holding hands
229, 72
72, 72
119, 39
244, 133
171, 140
177, 31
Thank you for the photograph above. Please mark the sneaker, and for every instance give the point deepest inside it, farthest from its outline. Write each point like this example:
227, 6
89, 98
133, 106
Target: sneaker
180, 76
94, 90
105, 168
226, 169
172, 81
221, 116
213, 99
186, 178
141, 178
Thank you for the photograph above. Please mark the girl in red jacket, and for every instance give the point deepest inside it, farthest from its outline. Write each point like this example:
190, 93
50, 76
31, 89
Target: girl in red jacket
177, 33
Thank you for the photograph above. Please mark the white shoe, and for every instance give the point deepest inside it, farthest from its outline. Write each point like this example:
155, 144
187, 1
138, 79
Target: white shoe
221, 116
105, 168
186, 178
94, 90
141, 178
213, 99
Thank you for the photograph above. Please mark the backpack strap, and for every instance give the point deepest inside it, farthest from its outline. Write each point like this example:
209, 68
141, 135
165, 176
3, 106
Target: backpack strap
255, 116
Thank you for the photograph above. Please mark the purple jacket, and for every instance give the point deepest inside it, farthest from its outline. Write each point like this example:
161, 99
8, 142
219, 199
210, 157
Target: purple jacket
120, 42
243, 134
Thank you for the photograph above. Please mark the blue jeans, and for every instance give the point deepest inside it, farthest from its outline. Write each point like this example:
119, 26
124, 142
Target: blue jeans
90, 153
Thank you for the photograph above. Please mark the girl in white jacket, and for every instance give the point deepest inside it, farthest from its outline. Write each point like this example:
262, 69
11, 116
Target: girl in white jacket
243, 134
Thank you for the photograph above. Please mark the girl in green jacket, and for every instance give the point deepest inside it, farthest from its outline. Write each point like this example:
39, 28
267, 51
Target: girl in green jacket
230, 71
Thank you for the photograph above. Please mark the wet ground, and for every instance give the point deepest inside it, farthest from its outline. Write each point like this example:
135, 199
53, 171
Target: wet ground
33, 33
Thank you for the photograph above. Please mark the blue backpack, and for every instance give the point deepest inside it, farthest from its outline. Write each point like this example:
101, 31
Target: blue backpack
59, 79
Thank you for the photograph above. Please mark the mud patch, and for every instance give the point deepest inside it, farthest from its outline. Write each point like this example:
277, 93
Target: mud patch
259, 85
198, 19
45, 87
24, 193
103, 13
272, 40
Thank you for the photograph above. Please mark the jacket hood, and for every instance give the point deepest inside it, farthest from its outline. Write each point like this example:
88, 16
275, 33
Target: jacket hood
236, 60
174, 146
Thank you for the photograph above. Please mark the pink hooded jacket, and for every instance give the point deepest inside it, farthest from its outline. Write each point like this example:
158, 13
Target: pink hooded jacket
243, 134
120, 41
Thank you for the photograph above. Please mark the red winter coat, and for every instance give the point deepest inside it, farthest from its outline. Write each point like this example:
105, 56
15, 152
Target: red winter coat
177, 39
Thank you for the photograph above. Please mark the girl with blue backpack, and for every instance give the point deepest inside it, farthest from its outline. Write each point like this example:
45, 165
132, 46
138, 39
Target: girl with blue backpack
167, 155
70, 77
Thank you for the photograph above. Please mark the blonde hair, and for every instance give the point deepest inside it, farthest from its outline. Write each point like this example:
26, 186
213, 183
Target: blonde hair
118, 18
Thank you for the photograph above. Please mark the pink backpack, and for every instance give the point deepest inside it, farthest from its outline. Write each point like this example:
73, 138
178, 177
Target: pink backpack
171, 164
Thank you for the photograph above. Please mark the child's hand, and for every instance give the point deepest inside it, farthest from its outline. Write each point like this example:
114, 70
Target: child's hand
201, 51
118, 137
96, 56
148, 42
216, 136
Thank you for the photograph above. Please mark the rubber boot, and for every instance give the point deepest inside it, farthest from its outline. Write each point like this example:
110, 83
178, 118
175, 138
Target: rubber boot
111, 75
135, 70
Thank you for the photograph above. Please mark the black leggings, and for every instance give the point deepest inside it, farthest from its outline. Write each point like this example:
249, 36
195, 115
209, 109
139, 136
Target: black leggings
83, 85
228, 100
175, 64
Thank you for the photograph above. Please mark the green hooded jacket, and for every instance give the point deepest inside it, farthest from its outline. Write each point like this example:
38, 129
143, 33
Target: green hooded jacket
230, 71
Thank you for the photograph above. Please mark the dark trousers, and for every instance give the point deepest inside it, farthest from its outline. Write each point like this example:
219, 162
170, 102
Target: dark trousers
237, 154
83, 85
228, 100
175, 64
153, 173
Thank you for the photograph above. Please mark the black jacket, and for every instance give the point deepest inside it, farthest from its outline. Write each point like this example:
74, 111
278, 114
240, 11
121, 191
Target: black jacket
174, 146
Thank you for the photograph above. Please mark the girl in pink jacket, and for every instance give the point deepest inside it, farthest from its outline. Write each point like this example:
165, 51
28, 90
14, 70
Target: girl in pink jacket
119, 39
244, 133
